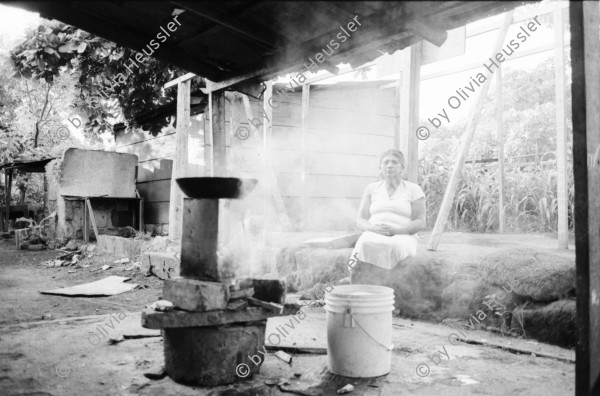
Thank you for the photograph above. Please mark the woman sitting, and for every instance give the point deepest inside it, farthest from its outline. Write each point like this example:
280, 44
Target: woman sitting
391, 212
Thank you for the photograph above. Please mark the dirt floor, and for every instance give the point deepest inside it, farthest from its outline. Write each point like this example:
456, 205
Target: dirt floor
48, 347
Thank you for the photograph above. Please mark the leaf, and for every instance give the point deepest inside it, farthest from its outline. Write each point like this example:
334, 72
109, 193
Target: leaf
49, 50
40, 63
65, 48
82, 47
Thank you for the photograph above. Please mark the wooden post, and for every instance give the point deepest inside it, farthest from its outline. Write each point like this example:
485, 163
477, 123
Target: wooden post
500, 129
92, 218
218, 133
266, 160
448, 200
141, 218
199, 241
408, 115
46, 211
585, 90
397, 109
180, 159
208, 169
8, 184
86, 225
305, 105
561, 135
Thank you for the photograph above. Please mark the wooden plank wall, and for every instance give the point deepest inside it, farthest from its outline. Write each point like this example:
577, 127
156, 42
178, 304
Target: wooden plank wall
155, 164
349, 125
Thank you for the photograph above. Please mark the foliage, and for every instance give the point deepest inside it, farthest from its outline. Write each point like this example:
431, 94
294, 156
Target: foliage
31, 114
108, 90
529, 120
38, 235
530, 203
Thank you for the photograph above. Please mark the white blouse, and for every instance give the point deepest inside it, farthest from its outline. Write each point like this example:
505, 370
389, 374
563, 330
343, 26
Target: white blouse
394, 210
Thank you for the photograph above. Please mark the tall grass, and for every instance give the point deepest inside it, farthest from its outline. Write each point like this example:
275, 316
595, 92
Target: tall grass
530, 196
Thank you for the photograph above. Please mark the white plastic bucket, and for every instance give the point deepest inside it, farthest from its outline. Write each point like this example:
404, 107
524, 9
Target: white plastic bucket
359, 330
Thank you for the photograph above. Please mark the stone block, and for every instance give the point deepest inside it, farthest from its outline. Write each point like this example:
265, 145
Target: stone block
554, 323
118, 246
265, 289
195, 295
418, 283
457, 297
163, 265
492, 306
36, 247
539, 276
20, 236
210, 356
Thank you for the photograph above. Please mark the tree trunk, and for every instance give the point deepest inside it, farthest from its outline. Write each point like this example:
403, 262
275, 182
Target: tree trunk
37, 134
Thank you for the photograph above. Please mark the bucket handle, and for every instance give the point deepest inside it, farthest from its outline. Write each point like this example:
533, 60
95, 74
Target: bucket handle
350, 322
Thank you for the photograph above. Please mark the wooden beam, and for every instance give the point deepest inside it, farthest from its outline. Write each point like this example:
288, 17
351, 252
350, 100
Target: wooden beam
200, 239
408, 114
391, 28
92, 218
270, 178
183, 78
8, 184
248, 112
267, 188
294, 60
180, 160
561, 130
251, 31
425, 29
500, 130
448, 200
305, 107
207, 148
585, 90
397, 85
218, 133
86, 224
141, 227
212, 86
216, 28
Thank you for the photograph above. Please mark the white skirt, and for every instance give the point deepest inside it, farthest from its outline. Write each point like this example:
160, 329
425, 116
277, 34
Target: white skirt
384, 251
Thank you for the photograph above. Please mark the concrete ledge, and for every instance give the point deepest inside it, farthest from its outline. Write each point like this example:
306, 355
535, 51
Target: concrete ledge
163, 265
119, 246
486, 288
553, 323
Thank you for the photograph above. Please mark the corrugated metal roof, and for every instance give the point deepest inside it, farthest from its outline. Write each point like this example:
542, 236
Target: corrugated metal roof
28, 165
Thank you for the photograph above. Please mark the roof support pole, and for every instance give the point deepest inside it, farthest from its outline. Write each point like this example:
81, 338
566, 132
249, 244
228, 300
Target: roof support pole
561, 135
585, 90
407, 111
180, 159
448, 200
8, 172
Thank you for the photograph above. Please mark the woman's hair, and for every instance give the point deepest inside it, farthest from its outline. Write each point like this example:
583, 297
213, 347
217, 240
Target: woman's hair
396, 153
